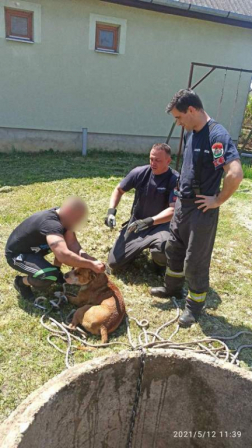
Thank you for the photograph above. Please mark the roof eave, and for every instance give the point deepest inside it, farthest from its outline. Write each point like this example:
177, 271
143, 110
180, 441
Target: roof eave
188, 10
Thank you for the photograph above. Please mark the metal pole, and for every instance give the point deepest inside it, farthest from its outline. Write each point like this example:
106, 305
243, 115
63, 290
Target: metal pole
190, 75
182, 130
180, 147
235, 69
84, 141
171, 132
212, 68
203, 78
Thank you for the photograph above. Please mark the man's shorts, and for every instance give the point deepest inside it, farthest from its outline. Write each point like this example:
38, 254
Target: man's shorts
35, 266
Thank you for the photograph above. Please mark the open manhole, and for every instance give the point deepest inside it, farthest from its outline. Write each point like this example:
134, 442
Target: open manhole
186, 401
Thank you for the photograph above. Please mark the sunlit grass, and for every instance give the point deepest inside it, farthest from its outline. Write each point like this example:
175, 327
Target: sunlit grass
41, 181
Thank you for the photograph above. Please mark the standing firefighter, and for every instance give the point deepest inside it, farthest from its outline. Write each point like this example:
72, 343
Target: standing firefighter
209, 152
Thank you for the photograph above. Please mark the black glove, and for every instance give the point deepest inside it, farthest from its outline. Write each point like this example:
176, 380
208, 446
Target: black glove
140, 224
110, 220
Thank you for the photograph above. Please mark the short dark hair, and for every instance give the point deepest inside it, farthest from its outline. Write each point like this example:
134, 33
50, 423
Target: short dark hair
183, 99
162, 147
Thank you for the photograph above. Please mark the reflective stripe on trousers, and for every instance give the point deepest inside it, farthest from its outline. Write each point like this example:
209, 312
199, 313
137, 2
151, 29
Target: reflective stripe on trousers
174, 274
197, 297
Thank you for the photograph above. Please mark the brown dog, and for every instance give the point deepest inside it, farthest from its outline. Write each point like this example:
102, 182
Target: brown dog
102, 305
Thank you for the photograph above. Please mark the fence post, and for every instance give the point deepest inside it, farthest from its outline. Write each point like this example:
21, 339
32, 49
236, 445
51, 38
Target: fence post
84, 141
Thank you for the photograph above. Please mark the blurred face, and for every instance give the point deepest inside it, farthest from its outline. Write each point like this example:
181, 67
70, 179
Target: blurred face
73, 214
187, 120
159, 161
74, 218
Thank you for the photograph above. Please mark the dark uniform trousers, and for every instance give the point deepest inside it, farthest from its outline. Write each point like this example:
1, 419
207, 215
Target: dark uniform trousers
126, 250
41, 274
189, 249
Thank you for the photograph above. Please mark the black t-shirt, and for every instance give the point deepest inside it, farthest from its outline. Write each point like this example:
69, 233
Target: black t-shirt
30, 236
153, 194
219, 150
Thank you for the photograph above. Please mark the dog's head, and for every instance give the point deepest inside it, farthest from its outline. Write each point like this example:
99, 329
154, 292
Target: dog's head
79, 276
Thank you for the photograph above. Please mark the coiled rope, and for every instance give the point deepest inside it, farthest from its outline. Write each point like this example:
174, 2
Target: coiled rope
214, 346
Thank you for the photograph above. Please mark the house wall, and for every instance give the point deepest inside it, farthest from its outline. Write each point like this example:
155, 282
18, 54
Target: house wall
60, 84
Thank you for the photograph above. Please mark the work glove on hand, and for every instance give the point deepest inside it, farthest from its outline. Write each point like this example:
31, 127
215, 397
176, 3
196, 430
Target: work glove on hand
110, 220
140, 224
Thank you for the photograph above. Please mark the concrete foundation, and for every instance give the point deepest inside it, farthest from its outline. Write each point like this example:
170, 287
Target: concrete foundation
31, 140
186, 401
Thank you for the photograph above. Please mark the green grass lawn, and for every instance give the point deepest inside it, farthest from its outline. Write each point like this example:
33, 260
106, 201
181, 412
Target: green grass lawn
44, 180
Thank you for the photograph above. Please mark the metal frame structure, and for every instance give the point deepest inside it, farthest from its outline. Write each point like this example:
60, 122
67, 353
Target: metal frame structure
193, 86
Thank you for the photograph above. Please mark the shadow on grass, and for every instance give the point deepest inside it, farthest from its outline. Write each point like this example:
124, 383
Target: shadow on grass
213, 301
35, 311
140, 271
211, 325
217, 325
220, 326
27, 168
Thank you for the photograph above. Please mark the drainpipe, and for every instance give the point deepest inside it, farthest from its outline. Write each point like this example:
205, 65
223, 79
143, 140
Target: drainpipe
84, 141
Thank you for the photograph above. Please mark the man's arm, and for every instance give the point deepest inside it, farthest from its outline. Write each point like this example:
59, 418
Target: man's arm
164, 216
72, 242
232, 180
116, 197
74, 245
64, 255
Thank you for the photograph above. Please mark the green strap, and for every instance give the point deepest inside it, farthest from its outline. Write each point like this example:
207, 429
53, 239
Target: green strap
44, 271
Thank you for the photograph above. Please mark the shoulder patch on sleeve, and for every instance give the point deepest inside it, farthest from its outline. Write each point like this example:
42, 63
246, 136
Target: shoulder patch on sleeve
217, 150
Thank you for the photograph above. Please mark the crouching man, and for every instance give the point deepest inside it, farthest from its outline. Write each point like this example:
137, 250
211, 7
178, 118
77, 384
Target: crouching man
41, 233
152, 210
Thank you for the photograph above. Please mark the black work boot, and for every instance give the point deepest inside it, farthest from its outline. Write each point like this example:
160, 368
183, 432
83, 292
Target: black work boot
159, 291
163, 293
191, 313
173, 286
25, 291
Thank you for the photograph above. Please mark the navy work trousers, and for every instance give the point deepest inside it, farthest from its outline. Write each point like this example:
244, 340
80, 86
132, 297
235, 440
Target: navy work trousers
189, 248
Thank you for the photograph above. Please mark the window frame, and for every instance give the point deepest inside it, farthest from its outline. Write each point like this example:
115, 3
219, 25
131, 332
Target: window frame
106, 27
10, 12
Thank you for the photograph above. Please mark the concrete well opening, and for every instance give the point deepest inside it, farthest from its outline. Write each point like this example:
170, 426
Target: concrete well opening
186, 401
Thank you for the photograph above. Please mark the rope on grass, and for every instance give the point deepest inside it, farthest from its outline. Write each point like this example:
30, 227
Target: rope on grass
234, 357
214, 346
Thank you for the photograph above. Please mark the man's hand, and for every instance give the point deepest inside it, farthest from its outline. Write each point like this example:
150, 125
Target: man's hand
110, 220
207, 202
140, 224
97, 266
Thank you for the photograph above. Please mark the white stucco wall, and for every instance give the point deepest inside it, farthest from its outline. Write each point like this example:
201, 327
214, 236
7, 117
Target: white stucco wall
62, 84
